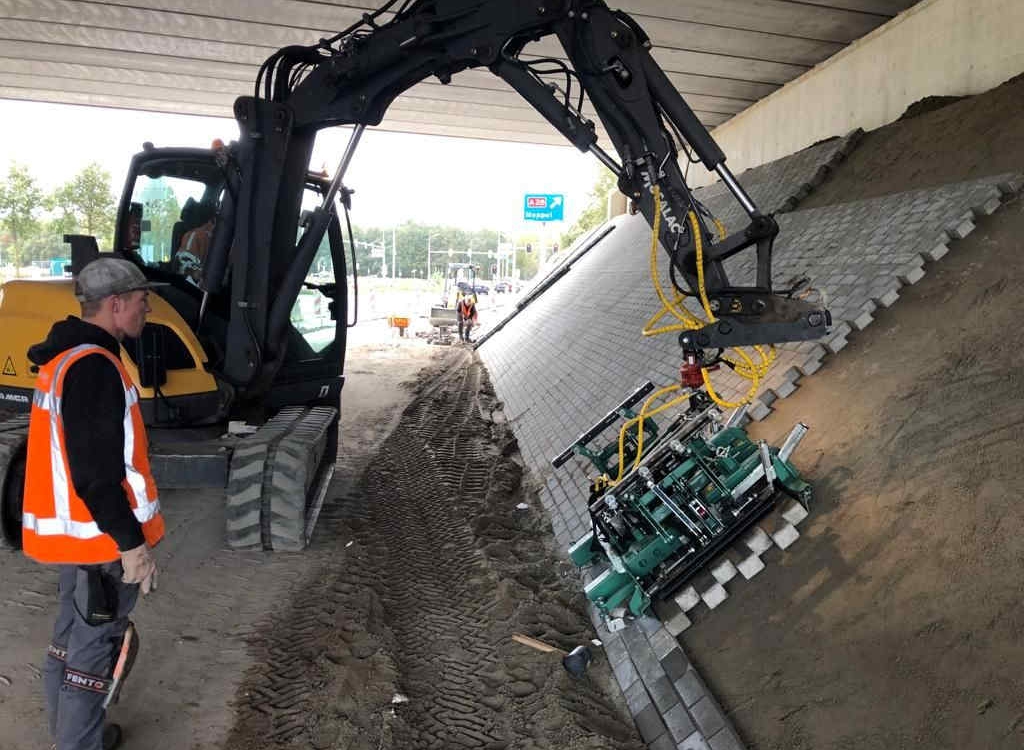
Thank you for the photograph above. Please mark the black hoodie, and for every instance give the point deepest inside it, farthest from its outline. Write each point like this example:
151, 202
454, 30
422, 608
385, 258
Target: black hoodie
92, 409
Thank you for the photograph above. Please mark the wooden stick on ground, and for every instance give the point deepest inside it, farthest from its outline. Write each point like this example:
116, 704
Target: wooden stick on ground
537, 645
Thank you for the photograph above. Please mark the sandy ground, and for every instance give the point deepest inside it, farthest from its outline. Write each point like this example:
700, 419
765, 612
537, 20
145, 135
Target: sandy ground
896, 621
196, 630
431, 551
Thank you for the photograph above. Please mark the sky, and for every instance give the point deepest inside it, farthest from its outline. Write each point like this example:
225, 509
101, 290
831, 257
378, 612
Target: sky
397, 177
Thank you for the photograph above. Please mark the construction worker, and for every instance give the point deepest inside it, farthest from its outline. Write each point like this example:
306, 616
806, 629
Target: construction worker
91, 505
191, 254
465, 311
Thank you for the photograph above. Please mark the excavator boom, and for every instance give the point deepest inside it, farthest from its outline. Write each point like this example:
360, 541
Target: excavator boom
353, 77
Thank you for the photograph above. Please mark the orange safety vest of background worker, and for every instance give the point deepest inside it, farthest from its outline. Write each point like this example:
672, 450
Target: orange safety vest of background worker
57, 525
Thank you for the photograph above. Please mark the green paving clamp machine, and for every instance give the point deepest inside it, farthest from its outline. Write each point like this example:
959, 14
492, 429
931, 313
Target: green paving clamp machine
700, 484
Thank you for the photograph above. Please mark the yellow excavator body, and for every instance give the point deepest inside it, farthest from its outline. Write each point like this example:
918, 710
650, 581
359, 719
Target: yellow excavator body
28, 308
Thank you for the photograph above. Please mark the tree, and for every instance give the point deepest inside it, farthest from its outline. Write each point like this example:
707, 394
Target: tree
596, 211
20, 202
89, 199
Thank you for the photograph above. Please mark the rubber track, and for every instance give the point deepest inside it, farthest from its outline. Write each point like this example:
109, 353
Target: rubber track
13, 437
406, 583
270, 478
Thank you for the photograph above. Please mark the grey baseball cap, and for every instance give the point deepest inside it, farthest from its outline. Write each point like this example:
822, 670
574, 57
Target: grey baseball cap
106, 276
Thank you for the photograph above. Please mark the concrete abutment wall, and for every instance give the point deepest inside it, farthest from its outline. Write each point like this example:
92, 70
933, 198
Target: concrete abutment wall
937, 48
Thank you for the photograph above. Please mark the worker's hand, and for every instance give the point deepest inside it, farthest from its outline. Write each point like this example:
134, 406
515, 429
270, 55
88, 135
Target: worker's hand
139, 567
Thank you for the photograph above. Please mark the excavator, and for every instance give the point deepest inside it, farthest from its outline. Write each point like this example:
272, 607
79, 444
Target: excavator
240, 368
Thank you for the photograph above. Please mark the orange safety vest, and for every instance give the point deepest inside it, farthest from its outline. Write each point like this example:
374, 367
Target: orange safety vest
466, 309
56, 524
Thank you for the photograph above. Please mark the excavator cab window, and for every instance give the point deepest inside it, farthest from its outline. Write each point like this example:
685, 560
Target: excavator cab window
312, 315
178, 201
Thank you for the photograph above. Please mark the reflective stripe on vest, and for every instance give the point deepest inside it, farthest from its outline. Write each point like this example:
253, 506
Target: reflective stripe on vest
65, 531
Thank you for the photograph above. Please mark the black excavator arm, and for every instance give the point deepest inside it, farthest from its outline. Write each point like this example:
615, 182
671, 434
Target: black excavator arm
353, 77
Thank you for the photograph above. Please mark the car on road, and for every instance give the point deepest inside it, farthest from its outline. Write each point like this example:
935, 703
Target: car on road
479, 289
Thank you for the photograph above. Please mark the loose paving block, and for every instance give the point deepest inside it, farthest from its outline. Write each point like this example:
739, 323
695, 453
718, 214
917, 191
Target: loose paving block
714, 595
750, 566
785, 536
794, 512
757, 540
724, 571
688, 598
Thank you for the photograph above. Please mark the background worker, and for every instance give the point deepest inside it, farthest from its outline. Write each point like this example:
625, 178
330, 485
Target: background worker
90, 503
465, 310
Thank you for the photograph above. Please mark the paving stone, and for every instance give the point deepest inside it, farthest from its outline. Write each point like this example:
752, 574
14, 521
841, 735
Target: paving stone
794, 512
625, 673
663, 694
757, 540
837, 344
785, 536
961, 229
662, 642
792, 375
650, 724
695, 741
614, 649
680, 724
811, 366
936, 253
863, 321
911, 276
723, 571
786, 389
687, 599
690, 687
726, 739
665, 742
714, 595
707, 715
889, 298
675, 664
649, 625
750, 566
636, 697
758, 411
679, 623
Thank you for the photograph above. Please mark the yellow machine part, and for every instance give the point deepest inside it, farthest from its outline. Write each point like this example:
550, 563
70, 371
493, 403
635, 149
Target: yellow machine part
29, 308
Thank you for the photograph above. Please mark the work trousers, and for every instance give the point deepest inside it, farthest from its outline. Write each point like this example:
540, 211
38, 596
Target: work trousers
80, 659
465, 326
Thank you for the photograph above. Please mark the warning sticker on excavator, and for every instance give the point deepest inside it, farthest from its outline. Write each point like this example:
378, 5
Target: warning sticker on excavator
9, 367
